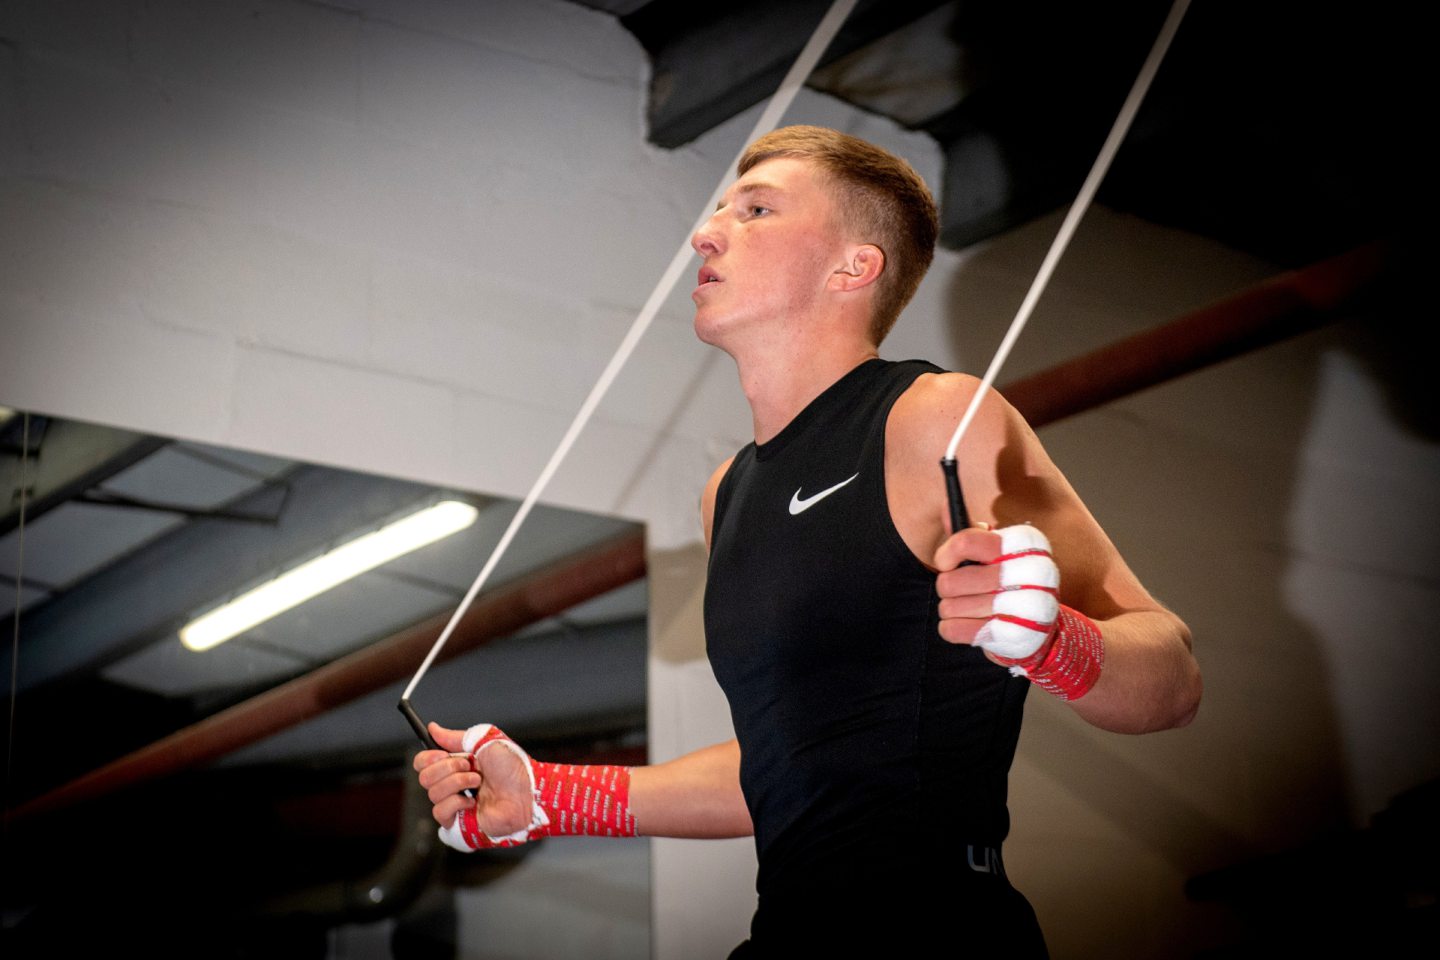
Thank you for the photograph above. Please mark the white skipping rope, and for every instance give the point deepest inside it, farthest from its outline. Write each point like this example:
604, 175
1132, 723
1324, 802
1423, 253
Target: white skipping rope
1077, 210
809, 56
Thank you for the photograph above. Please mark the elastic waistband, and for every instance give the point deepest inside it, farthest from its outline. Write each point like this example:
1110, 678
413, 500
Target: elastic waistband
934, 869
985, 860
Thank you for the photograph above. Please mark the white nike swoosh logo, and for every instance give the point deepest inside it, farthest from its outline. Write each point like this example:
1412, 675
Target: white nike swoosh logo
798, 506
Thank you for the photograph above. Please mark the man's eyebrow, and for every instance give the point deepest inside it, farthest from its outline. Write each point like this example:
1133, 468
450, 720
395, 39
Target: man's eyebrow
755, 186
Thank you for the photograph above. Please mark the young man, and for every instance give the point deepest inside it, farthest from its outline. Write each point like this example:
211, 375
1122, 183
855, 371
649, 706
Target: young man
875, 683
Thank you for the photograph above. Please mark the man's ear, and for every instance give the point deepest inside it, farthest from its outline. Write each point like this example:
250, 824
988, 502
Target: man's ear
863, 265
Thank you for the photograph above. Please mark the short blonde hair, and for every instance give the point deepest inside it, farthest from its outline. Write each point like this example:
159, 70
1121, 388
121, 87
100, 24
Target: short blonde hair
881, 198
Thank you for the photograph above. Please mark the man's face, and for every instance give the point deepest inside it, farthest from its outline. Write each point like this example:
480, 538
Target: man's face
768, 250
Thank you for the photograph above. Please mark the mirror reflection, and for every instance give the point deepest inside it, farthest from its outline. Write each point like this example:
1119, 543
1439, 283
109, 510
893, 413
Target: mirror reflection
261, 782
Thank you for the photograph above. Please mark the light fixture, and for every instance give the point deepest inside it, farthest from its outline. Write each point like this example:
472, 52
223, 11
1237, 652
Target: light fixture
331, 569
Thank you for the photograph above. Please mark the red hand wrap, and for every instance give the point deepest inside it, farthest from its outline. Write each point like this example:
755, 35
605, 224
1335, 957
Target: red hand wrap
568, 799
1068, 664
589, 800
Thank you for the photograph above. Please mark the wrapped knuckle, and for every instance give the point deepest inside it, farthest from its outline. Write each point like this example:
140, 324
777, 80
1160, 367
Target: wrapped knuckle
1026, 601
1033, 605
1010, 640
1021, 537
1030, 570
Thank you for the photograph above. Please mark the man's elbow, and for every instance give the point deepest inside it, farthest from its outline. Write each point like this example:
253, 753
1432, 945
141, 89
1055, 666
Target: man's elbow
1185, 702
1170, 712
1176, 701
1188, 706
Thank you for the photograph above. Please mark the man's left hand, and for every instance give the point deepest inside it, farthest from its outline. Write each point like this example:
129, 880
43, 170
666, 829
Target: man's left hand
998, 590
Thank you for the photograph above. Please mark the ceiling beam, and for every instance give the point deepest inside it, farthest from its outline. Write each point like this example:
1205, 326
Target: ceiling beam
72, 457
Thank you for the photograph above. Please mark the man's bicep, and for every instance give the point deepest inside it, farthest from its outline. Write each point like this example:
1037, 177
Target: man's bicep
1031, 488
1094, 575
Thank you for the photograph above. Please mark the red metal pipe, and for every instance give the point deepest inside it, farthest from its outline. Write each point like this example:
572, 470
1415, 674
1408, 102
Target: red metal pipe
542, 594
1280, 307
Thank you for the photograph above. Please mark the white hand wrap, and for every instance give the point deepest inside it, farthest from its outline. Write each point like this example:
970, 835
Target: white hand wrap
1027, 605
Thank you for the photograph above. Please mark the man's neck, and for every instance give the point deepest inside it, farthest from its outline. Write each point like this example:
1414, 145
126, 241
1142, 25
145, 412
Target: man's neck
779, 384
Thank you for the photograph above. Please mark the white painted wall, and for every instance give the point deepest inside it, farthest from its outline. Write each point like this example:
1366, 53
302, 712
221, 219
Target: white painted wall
403, 237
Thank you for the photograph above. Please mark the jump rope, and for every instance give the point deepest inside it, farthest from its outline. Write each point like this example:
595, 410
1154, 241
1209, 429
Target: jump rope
809, 56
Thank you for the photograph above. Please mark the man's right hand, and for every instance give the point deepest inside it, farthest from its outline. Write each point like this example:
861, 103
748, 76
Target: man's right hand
503, 798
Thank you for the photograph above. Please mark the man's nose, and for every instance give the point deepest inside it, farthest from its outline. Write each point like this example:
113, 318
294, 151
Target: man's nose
706, 240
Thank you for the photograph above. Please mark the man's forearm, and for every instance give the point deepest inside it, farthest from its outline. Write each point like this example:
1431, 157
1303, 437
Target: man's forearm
696, 796
1150, 679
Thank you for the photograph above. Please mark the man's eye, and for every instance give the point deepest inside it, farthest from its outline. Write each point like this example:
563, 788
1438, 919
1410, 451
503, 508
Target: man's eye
758, 211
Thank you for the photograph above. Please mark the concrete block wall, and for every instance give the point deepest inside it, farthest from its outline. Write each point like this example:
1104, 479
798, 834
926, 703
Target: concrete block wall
403, 237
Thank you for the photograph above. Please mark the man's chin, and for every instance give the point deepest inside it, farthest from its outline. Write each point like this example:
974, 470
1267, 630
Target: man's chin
725, 333
706, 331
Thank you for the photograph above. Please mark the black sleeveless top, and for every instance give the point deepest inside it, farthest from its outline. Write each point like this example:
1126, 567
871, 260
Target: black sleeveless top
866, 740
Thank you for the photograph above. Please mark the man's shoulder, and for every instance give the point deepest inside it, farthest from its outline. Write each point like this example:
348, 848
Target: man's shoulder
942, 386
713, 484
931, 406
924, 420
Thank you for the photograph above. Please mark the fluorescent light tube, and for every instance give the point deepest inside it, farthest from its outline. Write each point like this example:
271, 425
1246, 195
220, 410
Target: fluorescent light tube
314, 577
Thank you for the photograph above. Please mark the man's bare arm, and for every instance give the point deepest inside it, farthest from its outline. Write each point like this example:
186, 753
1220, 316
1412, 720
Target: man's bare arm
1150, 679
696, 796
